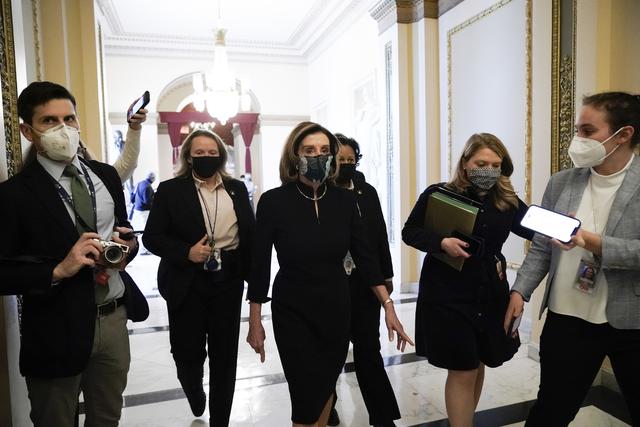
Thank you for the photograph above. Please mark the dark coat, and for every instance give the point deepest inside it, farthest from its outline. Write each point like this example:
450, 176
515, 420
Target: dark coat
176, 223
58, 321
371, 213
143, 196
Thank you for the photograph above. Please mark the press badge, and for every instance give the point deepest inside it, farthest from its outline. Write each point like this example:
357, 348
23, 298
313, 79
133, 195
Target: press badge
586, 276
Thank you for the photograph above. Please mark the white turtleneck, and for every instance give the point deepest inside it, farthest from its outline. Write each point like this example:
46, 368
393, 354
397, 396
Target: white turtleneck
593, 212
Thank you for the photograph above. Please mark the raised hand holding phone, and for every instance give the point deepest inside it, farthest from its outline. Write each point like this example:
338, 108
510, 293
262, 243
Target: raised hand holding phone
138, 105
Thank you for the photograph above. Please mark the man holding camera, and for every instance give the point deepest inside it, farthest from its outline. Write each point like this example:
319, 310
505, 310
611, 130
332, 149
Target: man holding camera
65, 243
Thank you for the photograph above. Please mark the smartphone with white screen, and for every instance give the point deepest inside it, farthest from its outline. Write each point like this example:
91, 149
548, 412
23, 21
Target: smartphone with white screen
551, 224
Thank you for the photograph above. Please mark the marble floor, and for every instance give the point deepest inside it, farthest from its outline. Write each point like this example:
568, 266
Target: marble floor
153, 397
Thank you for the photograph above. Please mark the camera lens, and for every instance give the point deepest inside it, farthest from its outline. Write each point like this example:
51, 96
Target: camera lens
113, 254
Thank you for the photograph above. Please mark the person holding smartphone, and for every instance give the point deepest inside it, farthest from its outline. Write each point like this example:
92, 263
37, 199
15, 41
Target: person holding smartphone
593, 286
201, 226
459, 314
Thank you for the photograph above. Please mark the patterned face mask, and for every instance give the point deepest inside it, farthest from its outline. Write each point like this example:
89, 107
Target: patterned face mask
484, 178
315, 168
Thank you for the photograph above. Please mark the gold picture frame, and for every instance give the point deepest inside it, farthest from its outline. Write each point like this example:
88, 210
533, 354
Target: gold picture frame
563, 78
9, 90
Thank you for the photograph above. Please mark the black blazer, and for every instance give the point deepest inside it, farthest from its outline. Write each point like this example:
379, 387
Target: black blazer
371, 214
58, 321
176, 223
492, 226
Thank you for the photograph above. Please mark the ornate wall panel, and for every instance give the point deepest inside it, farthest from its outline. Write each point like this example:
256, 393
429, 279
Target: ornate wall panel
388, 69
563, 77
9, 90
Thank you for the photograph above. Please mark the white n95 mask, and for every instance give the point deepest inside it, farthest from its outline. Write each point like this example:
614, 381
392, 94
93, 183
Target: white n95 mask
587, 152
60, 143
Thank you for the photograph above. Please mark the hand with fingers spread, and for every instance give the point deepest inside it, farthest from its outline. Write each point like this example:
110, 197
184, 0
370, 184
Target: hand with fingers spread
454, 247
84, 253
200, 251
394, 326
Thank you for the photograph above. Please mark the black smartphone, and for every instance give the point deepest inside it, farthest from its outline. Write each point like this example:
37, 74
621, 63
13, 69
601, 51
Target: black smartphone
475, 244
138, 104
130, 235
515, 324
551, 224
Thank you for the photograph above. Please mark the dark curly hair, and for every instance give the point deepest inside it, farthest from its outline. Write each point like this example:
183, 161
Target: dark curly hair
345, 140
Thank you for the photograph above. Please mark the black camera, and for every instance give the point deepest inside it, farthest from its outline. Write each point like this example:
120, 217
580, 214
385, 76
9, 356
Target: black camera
112, 253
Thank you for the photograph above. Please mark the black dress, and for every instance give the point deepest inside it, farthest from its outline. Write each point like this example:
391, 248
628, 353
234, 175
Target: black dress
311, 303
460, 314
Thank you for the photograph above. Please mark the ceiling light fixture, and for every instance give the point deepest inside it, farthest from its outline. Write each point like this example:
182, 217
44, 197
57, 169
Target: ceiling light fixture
217, 90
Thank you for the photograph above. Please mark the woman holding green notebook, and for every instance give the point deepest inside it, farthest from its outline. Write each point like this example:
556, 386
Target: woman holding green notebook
461, 305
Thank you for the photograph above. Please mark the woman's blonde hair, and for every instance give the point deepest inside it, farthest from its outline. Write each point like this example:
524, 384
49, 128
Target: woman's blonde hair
290, 157
185, 169
504, 196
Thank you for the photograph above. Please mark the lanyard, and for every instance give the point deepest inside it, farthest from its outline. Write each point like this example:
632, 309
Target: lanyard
67, 198
215, 218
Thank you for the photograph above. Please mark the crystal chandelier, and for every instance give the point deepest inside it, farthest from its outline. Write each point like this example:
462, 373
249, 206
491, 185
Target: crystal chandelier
217, 90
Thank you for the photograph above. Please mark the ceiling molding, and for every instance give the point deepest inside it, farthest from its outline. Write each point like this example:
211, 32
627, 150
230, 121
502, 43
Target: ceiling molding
445, 5
324, 21
390, 12
111, 16
354, 10
189, 52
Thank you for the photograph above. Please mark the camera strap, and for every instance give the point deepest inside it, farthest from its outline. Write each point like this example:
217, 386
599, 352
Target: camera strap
211, 229
67, 198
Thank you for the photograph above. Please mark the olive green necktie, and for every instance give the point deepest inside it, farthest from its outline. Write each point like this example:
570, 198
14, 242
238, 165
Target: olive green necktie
84, 208
81, 200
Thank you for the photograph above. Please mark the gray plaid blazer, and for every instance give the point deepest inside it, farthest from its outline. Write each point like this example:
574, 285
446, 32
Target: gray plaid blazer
620, 245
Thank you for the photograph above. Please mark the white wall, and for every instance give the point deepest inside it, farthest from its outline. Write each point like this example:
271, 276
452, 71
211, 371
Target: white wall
280, 88
344, 93
483, 84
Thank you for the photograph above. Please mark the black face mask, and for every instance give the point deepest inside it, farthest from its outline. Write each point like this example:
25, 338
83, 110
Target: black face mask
206, 166
346, 172
315, 168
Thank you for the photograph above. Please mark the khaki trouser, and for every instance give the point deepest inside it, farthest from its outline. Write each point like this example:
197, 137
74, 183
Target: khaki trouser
54, 400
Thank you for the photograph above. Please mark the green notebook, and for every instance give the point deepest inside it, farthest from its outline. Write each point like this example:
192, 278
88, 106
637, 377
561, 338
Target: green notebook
446, 214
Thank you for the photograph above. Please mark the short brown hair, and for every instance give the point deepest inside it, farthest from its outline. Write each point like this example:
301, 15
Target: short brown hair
185, 168
504, 195
289, 159
621, 109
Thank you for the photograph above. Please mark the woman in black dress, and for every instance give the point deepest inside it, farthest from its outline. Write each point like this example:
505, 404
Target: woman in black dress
312, 225
459, 314
375, 387
201, 225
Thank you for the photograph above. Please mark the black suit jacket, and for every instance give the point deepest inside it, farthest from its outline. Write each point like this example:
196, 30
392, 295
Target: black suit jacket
371, 214
57, 321
176, 223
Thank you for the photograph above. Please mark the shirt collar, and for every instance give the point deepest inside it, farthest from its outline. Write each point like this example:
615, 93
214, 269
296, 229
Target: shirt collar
55, 168
200, 183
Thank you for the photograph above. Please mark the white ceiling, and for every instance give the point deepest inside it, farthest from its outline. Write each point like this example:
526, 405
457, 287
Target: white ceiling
289, 30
